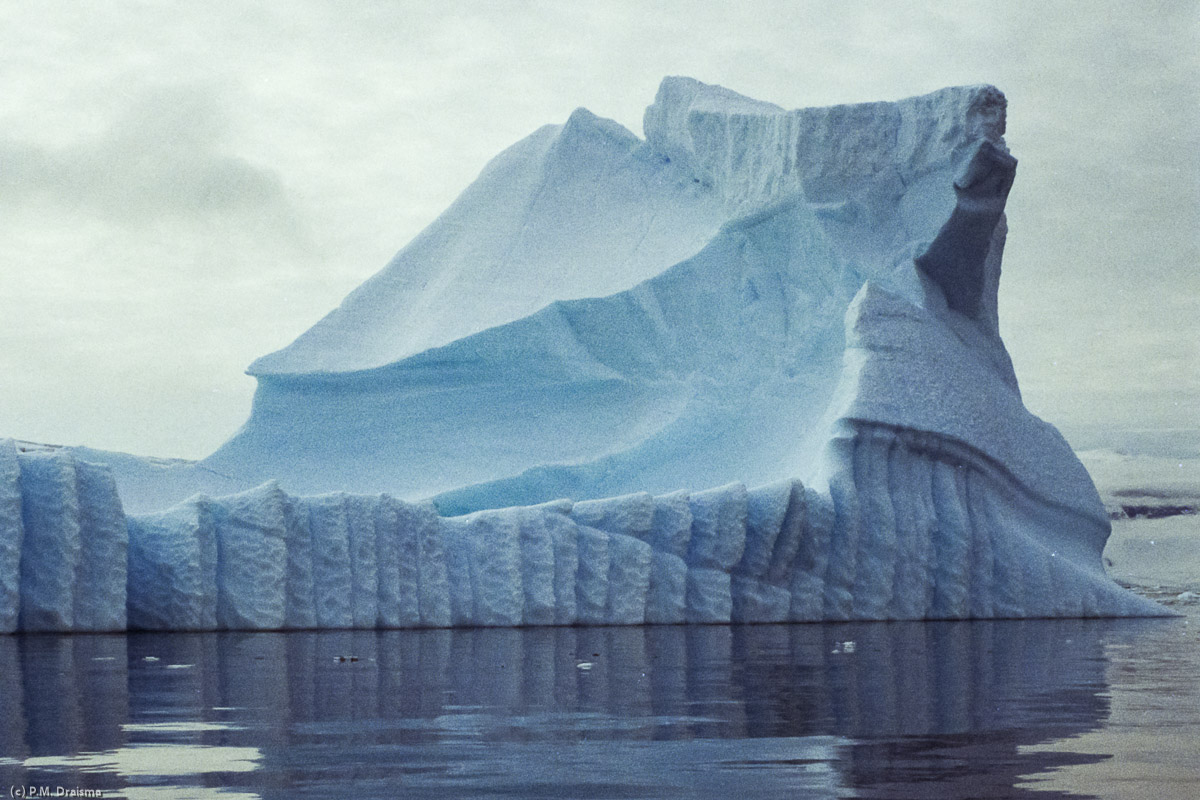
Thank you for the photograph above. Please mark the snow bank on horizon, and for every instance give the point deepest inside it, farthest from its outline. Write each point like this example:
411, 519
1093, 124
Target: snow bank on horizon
1124, 477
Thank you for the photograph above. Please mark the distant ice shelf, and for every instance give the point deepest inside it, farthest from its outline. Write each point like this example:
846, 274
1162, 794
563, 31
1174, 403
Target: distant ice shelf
547, 409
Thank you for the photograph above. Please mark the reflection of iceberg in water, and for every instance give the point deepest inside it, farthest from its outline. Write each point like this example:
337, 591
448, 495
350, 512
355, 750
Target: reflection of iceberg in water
62, 697
907, 709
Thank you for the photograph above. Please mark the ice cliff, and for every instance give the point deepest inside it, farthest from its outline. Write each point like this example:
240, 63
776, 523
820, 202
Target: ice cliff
532, 403
956, 542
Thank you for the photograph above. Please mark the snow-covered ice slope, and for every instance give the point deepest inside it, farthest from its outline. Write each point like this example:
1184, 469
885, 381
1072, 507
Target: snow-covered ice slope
150, 484
577, 210
598, 314
799, 302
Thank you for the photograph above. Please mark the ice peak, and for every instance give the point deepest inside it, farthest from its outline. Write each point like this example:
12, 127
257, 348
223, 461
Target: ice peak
583, 123
754, 153
570, 211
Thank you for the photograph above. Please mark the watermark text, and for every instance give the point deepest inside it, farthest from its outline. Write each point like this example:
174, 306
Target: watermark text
23, 791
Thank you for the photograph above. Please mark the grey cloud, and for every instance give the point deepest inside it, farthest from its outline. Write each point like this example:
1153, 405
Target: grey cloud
163, 157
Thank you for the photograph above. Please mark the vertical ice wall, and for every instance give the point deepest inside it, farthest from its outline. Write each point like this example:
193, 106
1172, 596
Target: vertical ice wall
100, 590
63, 544
173, 568
912, 526
50, 553
12, 536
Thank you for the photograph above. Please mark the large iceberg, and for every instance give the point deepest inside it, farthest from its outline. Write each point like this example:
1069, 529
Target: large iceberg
547, 409
598, 314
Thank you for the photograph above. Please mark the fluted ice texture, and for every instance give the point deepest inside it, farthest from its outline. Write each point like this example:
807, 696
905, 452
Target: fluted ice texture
63, 544
914, 527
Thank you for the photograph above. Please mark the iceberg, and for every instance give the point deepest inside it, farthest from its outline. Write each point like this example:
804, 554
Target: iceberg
745, 369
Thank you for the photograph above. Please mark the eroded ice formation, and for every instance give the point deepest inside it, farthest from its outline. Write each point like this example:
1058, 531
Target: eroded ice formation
746, 298
63, 544
913, 528
598, 315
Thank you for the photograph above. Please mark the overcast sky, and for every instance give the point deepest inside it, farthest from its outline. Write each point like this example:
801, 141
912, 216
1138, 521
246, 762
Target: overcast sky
187, 186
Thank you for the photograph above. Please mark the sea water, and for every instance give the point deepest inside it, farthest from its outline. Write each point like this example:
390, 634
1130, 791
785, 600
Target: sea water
1029, 708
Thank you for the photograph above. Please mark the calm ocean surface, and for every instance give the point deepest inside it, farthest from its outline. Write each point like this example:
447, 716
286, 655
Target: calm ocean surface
1031, 709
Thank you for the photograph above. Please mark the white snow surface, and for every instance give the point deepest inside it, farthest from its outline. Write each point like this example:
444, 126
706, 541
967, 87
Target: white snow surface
746, 370
575, 210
